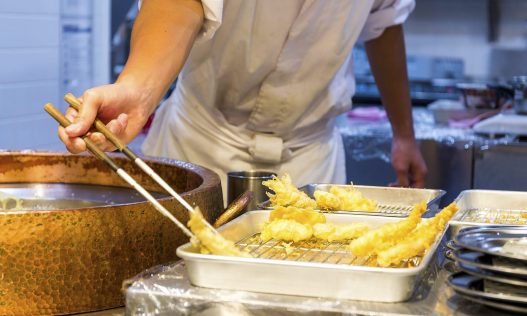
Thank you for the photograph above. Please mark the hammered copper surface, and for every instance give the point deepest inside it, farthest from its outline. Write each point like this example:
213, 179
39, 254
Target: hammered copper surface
70, 261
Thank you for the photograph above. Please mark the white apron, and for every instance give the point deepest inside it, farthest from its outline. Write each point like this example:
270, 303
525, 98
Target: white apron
263, 84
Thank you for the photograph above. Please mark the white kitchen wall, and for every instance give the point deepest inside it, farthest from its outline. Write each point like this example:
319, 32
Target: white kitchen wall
31, 61
29, 71
458, 28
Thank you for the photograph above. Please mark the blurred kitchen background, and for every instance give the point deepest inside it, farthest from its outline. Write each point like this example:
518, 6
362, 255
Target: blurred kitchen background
50, 47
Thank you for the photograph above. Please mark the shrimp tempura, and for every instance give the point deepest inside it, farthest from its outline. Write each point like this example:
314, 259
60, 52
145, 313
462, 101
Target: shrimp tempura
287, 194
387, 234
210, 241
419, 240
286, 230
333, 232
306, 216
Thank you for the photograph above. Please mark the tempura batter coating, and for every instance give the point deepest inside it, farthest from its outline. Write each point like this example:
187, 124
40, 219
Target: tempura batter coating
344, 199
286, 230
419, 240
209, 241
306, 216
326, 200
287, 194
334, 232
387, 234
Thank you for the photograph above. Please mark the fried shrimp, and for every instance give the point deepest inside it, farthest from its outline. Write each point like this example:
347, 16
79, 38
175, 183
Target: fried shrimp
209, 241
344, 199
287, 194
306, 216
327, 201
419, 240
386, 235
333, 232
286, 230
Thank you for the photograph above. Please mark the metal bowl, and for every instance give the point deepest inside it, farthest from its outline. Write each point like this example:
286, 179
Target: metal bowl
485, 96
73, 256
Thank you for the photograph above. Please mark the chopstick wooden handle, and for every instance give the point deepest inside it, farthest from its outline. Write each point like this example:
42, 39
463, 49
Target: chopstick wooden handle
64, 122
99, 125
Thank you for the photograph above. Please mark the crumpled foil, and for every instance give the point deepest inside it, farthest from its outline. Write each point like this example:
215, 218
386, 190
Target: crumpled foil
367, 140
166, 290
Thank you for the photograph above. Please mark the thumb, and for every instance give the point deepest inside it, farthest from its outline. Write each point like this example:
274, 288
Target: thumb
89, 108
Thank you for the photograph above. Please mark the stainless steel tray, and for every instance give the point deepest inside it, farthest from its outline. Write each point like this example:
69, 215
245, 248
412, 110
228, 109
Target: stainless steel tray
484, 207
329, 272
393, 201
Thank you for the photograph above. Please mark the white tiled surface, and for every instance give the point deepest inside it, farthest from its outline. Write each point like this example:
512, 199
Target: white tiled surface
30, 65
29, 72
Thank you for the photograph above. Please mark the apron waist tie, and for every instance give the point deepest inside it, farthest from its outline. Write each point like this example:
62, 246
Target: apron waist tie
266, 148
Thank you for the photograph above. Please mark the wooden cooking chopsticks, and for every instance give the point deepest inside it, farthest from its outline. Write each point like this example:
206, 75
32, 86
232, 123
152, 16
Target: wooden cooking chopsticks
101, 127
97, 152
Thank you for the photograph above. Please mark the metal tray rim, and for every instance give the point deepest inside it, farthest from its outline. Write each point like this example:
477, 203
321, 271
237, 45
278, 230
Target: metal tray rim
439, 193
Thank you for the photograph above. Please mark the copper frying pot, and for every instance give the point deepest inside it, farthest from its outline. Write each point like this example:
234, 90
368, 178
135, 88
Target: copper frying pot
74, 260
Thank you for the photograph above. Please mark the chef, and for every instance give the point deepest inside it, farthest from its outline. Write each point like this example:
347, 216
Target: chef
260, 83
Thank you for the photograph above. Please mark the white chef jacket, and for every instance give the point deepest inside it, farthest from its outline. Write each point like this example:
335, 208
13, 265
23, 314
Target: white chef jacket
263, 84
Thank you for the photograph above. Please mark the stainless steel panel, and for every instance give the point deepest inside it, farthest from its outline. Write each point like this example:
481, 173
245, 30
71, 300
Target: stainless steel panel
500, 167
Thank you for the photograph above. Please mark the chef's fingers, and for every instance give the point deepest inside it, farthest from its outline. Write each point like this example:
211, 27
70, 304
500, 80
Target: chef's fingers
71, 114
88, 111
117, 127
100, 141
402, 177
74, 145
419, 172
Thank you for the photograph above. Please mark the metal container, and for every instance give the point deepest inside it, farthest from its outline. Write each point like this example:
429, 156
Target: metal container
485, 96
73, 258
483, 207
239, 182
393, 201
312, 274
519, 84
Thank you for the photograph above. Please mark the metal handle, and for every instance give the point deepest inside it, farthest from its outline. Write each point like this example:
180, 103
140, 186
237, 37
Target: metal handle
235, 208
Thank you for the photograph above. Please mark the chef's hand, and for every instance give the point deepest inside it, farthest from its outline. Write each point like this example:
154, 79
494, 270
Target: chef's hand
122, 107
408, 163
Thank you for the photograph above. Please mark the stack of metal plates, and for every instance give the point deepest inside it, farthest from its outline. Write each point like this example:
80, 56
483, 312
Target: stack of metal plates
492, 262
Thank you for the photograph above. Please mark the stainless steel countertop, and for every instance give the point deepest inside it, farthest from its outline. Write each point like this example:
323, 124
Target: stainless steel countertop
167, 289
424, 126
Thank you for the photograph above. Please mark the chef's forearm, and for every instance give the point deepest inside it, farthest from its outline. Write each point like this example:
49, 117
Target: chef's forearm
387, 58
162, 37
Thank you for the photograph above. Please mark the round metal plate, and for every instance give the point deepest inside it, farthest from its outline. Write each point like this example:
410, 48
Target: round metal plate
488, 262
495, 304
471, 285
489, 275
492, 240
